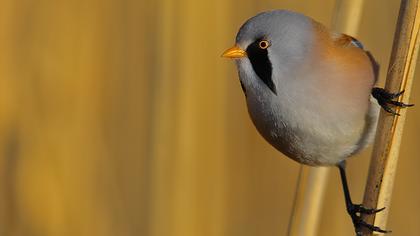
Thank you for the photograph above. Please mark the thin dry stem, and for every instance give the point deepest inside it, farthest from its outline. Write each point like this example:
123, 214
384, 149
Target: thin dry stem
388, 138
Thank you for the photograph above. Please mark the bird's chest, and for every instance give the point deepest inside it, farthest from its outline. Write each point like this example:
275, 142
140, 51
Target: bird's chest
298, 130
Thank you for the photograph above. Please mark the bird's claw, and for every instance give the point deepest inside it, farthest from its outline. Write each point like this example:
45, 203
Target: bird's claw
355, 210
385, 99
359, 208
372, 228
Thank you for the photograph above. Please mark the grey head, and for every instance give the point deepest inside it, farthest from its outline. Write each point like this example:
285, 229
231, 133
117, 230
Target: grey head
276, 43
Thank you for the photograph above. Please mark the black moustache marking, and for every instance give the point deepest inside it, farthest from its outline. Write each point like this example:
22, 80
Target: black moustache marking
243, 87
261, 64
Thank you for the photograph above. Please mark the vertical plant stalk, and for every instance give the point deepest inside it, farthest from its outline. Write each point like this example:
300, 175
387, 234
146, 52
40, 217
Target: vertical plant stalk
400, 75
312, 182
308, 201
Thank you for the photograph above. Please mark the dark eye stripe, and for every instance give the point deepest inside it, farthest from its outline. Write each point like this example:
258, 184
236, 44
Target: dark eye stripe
261, 64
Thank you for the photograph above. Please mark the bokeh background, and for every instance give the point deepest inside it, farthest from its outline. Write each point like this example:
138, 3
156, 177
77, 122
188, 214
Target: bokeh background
119, 117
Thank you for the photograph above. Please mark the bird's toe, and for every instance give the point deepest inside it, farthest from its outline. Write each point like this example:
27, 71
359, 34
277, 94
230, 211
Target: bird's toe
385, 100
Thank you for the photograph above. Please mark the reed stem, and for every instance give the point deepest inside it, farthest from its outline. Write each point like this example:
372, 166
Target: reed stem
400, 76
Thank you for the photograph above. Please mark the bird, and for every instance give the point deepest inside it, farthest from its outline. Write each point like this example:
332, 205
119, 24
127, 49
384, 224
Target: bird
310, 92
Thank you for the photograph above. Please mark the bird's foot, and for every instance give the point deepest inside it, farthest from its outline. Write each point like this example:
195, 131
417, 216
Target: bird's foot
385, 100
359, 208
355, 211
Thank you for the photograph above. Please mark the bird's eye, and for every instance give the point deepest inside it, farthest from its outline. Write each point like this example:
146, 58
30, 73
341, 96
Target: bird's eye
264, 44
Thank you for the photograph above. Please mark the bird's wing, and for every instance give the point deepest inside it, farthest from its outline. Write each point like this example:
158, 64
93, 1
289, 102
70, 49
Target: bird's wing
344, 40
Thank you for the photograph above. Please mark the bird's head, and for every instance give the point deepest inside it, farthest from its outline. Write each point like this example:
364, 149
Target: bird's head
269, 47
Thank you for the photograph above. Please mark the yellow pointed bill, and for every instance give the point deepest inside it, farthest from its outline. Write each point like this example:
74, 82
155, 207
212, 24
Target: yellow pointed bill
234, 52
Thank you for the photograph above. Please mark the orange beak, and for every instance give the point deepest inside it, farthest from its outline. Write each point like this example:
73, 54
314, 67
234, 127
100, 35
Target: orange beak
234, 53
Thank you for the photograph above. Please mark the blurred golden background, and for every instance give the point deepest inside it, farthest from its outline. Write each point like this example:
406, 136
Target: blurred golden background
119, 117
